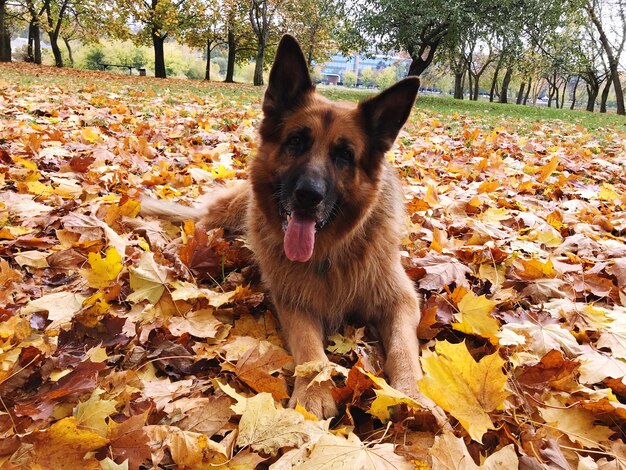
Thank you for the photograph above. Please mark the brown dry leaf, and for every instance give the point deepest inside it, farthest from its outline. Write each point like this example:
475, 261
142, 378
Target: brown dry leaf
576, 423
128, 440
203, 415
441, 272
188, 449
257, 366
449, 452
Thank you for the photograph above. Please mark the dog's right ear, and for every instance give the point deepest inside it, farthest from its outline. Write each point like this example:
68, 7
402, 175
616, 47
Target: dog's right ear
289, 80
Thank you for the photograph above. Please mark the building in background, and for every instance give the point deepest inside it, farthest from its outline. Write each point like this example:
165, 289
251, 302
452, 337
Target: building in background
332, 70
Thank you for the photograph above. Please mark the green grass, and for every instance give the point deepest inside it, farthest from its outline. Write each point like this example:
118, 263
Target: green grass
484, 114
495, 114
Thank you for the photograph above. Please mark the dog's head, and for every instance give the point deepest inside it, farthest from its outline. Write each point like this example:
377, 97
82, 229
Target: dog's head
318, 169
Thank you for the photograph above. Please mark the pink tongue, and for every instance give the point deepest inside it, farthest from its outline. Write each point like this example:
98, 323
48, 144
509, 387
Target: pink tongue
300, 238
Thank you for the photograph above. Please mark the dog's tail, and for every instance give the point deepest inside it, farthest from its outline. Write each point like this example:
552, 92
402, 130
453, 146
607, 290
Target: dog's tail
170, 210
225, 207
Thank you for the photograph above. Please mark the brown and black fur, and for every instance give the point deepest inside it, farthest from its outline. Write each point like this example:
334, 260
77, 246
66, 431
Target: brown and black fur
355, 268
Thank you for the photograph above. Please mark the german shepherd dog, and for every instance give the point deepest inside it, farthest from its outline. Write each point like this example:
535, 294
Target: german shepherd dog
323, 213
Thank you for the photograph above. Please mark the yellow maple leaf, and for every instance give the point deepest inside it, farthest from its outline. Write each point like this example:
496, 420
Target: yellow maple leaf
474, 317
388, 397
223, 173
90, 134
91, 414
494, 215
65, 445
546, 170
488, 186
607, 192
103, 270
467, 389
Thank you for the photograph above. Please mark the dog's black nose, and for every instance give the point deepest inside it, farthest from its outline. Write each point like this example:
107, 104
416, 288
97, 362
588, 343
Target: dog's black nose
310, 192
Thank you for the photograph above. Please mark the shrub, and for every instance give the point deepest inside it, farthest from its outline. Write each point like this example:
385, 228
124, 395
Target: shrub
349, 78
386, 78
367, 77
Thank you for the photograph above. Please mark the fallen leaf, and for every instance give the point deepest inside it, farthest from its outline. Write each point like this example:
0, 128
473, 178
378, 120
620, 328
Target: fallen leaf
336, 453
267, 429
65, 446
474, 317
467, 389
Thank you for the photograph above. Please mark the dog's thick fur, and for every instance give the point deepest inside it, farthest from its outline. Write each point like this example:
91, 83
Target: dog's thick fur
337, 155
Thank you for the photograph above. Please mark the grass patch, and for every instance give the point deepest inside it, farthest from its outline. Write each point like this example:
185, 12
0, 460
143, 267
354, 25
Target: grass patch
521, 119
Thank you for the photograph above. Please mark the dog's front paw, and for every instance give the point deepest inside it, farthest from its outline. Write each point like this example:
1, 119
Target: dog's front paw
317, 399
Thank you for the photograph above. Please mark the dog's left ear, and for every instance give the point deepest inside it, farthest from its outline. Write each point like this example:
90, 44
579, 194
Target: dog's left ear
386, 113
289, 79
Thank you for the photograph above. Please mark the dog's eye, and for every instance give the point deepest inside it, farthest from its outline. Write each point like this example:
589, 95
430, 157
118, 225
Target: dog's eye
343, 156
296, 143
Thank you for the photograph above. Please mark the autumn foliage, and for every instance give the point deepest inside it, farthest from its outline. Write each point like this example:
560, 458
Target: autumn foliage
128, 342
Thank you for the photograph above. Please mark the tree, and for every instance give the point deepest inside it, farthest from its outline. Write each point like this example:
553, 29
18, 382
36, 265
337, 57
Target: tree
424, 27
34, 11
160, 19
316, 24
263, 16
206, 30
612, 49
239, 35
55, 11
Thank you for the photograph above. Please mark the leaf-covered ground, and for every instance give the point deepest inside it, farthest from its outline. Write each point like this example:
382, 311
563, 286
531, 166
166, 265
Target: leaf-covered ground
129, 343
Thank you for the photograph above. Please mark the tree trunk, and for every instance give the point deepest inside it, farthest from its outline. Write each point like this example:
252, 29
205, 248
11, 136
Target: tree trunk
34, 35
69, 51
5, 34
458, 85
421, 59
605, 96
552, 88
30, 47
260, 59
520, 93
37, 44
56, 50
592, 94
505, 85
563, 94
207, 70
574, 92
476, 87
159, 55
232, 50
619, 93
494, 84
470, 80
530, 82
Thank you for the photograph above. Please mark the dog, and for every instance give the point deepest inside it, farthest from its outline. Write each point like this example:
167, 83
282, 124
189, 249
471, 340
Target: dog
323, 213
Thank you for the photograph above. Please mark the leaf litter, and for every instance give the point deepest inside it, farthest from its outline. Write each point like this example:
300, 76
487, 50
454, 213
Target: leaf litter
129, 343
